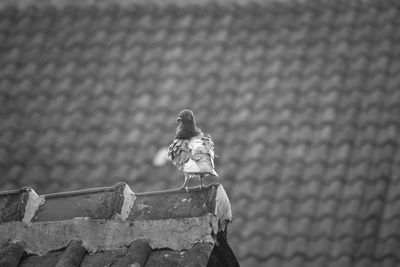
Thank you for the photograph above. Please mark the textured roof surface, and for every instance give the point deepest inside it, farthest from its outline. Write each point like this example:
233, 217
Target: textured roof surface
113, 226
302, 101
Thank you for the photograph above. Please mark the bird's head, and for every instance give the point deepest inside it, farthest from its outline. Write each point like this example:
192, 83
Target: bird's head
186, 116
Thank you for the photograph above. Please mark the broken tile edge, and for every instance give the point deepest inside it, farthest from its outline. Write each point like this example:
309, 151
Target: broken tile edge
34, 201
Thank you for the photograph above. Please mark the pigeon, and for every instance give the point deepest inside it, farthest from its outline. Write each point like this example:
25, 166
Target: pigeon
192, 151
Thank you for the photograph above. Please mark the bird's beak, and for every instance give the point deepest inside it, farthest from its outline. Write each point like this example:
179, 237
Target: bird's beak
178, 120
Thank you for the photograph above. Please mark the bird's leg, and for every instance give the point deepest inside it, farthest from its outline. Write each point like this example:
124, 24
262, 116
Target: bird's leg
198, 176
187, 178
201, 176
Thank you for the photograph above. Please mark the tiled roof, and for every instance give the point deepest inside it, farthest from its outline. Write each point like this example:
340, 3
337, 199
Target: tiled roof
114, 226
301, 98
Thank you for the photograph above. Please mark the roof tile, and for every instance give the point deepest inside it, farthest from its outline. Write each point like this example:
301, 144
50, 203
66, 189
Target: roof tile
12, 254
49, 259
103, 258
300, 99
204, 212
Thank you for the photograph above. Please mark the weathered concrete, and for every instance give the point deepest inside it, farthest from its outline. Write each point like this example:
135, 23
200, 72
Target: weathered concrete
114, 217
42, 237
222, 205
174, 204
113, 202
96, 203
222, 209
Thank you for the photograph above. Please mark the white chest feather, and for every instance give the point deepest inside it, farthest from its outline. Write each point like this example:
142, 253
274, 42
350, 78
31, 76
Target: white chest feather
191, 167
196, 144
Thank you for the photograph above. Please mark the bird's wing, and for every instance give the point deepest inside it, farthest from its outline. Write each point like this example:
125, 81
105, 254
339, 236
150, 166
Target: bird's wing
206, 150
179, 152
208, 143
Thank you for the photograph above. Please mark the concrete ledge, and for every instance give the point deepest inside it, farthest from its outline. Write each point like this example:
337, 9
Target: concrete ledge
41, 238
181, 204
114, 217
97, 203
114, 202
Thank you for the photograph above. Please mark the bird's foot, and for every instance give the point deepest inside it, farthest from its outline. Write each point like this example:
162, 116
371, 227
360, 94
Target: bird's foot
184, 187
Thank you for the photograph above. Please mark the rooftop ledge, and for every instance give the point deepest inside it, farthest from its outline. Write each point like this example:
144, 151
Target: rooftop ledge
113, 217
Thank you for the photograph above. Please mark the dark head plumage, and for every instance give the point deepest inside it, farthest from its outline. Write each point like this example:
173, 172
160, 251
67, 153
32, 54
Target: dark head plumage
187, 125
186, 116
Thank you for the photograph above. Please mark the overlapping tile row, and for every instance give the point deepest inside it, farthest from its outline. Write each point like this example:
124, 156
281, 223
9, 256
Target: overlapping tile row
113, 202
75, 254
101, 222
301, 100
97, 203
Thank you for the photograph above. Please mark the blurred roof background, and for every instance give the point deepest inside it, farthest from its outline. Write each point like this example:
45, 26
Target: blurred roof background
302, 99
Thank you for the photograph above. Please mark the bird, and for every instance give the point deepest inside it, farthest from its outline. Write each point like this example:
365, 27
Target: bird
192, 151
